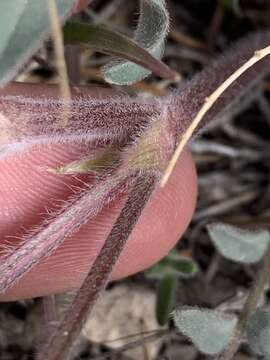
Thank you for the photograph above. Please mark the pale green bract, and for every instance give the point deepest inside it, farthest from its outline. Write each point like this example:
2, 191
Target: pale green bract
23, 26
241, 245
151, 32
209, 330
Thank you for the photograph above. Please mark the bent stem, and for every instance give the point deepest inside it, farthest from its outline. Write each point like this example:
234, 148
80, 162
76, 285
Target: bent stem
119, 118
250, 305
208, 104
61, 340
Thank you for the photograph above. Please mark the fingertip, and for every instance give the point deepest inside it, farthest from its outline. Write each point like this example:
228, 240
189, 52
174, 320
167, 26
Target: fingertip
164, 220
162, 223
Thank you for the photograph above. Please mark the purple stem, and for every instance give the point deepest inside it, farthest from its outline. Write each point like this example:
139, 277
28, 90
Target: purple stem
184, 103
182, 106
50, 313
115, 116
98, 118
60, 342
41, 243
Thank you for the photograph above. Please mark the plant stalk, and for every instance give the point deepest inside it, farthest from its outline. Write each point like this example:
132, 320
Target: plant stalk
50, 313
61, 341
249, 307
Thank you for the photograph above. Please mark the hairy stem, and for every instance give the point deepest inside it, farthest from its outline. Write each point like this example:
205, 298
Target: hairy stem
215, 88
30, 116
185, 103
208, 104
250, 305
99, 118
112, 117
61, 341
41, 243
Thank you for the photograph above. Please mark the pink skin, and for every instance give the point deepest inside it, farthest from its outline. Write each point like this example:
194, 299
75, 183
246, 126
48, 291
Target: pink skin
27, 191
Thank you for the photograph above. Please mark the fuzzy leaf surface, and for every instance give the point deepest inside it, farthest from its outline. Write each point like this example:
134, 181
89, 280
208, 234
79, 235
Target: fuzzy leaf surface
258, 332
23, 26
151, 32
108, 41
241, 245
209, 330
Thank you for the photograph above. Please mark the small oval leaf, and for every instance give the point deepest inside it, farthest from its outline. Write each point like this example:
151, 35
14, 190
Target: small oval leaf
166, 293
151, 32
241, 245
108, 41
258, 332
209, 330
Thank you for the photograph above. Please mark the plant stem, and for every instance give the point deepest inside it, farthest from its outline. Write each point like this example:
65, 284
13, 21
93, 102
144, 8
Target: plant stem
50, 313
57, 37
208, 104
62, 339
35, 246
250, 305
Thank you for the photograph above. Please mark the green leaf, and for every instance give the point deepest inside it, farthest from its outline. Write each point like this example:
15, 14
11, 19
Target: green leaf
174, 264
258, 332
184, 267
110, 42
23, 26
151, 32
241, 245
165, 298
209, 330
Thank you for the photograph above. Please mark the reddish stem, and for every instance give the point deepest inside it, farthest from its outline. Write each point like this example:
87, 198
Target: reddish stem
61, 340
